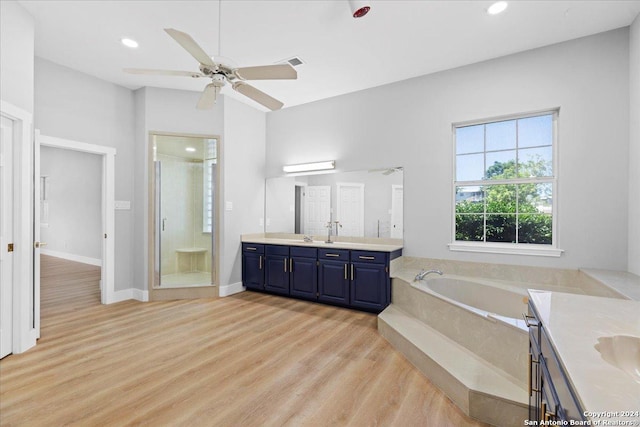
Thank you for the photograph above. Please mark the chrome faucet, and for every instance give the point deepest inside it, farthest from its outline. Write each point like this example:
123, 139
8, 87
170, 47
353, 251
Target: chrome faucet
329, 228
307, 238
424, 273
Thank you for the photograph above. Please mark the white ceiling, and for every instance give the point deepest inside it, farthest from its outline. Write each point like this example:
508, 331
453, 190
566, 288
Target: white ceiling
397, 40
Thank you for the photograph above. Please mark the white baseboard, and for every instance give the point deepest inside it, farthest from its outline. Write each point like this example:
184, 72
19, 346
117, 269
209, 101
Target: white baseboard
131, 293
72, 257
230, 289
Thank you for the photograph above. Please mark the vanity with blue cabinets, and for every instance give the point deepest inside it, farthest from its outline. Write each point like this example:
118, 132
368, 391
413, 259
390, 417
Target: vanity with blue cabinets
349, 275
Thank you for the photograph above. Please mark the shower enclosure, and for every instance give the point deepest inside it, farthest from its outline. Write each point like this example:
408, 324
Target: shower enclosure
184, 200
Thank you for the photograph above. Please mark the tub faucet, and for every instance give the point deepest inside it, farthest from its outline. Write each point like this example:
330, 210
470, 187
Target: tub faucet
424, 273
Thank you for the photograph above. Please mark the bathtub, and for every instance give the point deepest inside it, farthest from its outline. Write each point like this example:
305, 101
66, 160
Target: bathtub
485, 298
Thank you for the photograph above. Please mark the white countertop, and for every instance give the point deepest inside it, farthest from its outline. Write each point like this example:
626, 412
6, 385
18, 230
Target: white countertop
379, 247
624, 283
574, 323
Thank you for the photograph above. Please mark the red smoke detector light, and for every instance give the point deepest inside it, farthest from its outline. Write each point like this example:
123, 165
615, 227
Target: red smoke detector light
359, 8
361, 12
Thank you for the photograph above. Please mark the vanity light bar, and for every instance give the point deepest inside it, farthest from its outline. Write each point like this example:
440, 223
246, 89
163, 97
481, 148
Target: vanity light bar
305, 167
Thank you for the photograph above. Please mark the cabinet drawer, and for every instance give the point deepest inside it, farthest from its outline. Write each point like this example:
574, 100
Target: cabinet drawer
277, 250
297, 251
368, 256
252, 248
335, 255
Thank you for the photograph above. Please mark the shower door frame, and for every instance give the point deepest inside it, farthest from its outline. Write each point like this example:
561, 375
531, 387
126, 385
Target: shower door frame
160, 293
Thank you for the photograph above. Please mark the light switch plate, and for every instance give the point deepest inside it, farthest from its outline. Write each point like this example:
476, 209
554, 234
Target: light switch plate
123, 205
228, 206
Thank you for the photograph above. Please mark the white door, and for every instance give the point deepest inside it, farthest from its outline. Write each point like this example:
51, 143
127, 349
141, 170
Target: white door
6, 237
350, 209
36, 233
317, 209
397, 211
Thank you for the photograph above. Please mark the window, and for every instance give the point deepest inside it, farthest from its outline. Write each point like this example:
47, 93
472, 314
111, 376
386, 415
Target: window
504, 184
209, 177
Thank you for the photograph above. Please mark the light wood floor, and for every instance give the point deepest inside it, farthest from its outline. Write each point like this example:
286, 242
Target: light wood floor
245, 360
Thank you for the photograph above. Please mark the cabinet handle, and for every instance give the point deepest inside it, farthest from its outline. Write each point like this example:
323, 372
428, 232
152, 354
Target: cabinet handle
345, 272
333, 255
351, 271
290, 265
527, 320
285, 265
260, 263
366, 257
531, 362
251, 249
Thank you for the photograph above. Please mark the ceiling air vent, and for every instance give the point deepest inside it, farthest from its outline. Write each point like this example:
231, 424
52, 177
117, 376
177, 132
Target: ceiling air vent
295, 61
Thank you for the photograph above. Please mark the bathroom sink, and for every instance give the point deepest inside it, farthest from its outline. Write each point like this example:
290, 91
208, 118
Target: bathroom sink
623, 352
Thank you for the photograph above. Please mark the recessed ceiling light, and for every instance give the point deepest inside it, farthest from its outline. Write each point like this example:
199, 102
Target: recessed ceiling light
497, 7
129, 43
190, 149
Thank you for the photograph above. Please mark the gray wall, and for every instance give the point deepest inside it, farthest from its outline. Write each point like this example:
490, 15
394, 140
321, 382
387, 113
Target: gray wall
74, 199
243, 183
409, 124
16, 55
73, 105
634, 147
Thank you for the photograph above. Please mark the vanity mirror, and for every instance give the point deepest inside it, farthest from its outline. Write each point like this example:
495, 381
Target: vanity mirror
359, 204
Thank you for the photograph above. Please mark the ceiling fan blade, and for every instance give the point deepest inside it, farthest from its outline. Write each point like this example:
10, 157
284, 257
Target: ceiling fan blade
193, 74
190, 45
257, 95
208, 97
267, 72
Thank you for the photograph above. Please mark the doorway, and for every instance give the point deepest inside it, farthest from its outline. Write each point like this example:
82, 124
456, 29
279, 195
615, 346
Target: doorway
20, 304
184, 188
106, 198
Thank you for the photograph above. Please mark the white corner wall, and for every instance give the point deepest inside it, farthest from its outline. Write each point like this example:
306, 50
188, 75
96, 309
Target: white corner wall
16, 55
163, 110
634, 147
73, 105
409, 124
243, 183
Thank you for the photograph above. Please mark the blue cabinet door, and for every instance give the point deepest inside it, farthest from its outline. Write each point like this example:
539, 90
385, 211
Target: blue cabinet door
333, 282
304, 277
252, 271
369, 286
277, 274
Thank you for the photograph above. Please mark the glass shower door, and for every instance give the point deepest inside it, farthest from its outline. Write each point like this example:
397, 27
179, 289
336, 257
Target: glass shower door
184, 207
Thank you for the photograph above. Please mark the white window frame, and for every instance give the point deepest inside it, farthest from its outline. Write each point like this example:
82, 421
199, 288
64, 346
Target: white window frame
551, 250
208, 189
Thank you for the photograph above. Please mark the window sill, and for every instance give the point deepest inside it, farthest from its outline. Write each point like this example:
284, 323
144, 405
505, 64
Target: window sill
506, 248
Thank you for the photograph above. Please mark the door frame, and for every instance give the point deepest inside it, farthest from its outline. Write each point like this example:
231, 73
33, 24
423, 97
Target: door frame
208, 291
26, 296
107, 288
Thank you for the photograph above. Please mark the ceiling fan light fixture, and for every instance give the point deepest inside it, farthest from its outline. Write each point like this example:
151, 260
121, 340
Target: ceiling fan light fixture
497, 7
129, 42
359, 8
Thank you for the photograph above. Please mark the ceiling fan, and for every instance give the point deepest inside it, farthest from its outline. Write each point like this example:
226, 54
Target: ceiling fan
220, 74
387, 171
